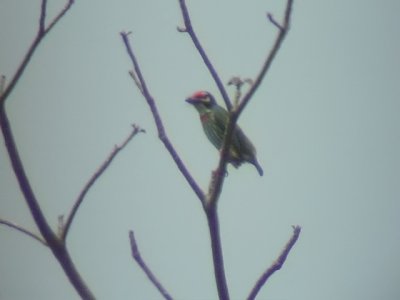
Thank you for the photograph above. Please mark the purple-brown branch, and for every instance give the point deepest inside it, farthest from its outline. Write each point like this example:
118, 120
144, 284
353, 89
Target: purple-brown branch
283, 29
218, 176
56, 245
41, 33
24, 231
135, 130
189, 29
138, 258
157, 119
212, 216
210, 200
277, 265
217, 182
216, 249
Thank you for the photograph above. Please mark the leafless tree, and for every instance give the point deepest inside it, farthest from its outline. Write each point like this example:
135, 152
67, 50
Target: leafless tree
55, 239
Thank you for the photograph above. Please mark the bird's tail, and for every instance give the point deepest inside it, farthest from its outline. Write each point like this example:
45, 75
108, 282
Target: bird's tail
258, 167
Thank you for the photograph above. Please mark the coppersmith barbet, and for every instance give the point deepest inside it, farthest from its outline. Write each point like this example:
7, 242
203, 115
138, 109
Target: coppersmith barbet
214, 119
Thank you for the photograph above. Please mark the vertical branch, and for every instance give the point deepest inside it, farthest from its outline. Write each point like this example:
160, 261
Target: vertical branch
57, 247
217, 181
189, 29
215, 187
216, 249
42, 19
23, 181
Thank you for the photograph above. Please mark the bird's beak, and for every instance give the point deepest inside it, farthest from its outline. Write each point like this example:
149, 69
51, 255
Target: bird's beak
191, 100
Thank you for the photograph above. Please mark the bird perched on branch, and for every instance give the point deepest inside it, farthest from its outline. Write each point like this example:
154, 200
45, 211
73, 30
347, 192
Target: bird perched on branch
214, 119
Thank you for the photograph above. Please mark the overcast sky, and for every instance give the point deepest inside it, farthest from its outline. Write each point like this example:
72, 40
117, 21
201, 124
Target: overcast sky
325, 122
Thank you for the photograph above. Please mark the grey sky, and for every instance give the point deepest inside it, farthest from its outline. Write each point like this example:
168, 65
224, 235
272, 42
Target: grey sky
325, 123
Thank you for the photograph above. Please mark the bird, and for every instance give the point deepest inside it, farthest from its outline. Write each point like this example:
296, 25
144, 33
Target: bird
214, 119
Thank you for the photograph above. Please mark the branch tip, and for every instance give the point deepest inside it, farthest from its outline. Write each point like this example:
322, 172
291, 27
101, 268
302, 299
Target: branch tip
277, 264
96, 175
138, 128
125, 33
189, 29
181, 29
134, 247
139, 260
274, 22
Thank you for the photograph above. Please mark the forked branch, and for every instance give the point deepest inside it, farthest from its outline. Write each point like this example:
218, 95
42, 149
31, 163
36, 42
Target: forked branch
282, 31
136, 74
189, 29
65, 229
41, 34
56, 245
210, 200
24, 231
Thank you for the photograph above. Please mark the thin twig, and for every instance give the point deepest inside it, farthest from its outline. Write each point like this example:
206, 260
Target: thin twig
189, 29
41, 33
273, 21
283, 29
59, 16
277, 265
138, 258
157, 119
23, 230
136, 81
136, 129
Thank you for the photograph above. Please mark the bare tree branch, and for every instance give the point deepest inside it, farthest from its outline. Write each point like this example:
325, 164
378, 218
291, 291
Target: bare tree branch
42, 19
93, 179
215, 187
41, 33
59, 16
211, 210
157, 119
56, 245
23, 230
277, 265
189, 29
216, 249
217, 182
138, 258
283, 29
218, 177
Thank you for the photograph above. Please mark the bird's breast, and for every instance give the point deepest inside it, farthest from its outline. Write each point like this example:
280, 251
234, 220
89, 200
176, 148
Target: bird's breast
204, 117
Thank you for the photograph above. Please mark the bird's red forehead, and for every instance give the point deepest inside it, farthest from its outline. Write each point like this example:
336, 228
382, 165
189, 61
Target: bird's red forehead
199, 95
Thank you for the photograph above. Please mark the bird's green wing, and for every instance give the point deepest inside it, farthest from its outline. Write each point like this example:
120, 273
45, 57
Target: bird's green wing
215, 127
